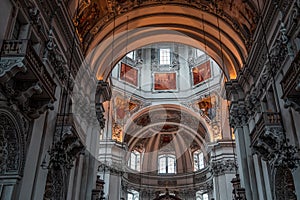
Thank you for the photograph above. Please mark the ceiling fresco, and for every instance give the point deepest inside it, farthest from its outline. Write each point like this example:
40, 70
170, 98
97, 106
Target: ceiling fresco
93, 15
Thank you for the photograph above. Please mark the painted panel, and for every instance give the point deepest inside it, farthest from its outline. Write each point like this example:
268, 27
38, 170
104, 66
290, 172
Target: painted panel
201, 73
165, 81
129, 74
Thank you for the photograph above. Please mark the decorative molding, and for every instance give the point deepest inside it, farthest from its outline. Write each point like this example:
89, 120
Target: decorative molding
221, 167
65, 150
269, 142
9, 67
112, 167
103, 93
33, 90
238, 114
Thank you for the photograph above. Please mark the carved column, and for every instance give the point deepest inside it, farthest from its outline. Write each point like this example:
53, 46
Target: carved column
239, 118
66, 148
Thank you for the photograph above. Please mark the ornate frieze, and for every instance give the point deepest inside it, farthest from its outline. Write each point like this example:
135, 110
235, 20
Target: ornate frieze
112, 167
220, 167
252, 102
287, 156
238, 114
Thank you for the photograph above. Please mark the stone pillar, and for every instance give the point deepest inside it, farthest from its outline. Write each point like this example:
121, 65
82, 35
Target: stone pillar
111, 157
266, 176
250, 162
259, 178
224, 168
242, 160
32, 165
296, 175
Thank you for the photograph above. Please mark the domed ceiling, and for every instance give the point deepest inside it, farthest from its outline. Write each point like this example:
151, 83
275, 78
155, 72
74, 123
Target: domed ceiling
188, 104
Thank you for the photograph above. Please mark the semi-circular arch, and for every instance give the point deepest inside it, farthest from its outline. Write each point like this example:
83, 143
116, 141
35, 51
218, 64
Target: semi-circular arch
166, 23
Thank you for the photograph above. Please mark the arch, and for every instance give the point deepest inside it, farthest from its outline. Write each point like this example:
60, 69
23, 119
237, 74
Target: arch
12, 143
166, 23
164, 108
284, 187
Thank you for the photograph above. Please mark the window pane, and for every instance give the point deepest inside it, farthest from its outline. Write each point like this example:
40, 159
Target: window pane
171, 165
164, 56
132, 161
201, 161
138, 161
196, 162
162, 165
130, 197
205, 196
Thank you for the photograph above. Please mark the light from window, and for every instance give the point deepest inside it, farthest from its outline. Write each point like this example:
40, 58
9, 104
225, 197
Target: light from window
130, 55
205, 196
199, 53
167, 164
135, 160
164, 56
133, 195
198, 160
201, 196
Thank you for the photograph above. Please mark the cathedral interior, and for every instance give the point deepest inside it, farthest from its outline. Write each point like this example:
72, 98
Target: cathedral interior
150, 99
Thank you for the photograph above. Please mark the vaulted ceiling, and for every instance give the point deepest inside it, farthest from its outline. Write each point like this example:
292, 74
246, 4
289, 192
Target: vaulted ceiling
108, 29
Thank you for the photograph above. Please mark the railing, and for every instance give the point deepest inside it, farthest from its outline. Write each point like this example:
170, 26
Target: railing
14, 47
199, 179
266, 119
37, 71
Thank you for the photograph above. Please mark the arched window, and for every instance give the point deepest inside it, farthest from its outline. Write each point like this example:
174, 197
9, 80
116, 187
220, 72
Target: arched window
134, 161
200, 195
198, 160
167, 164
133, 195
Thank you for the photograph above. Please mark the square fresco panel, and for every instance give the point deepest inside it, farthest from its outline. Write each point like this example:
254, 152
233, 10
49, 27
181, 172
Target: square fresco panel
201, 73
165, 81
208, 106
129, 74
